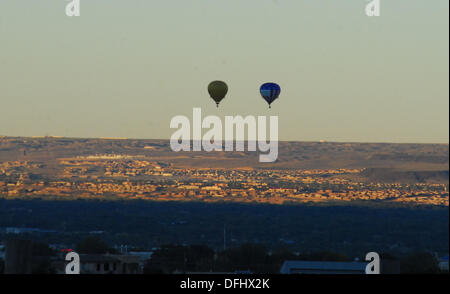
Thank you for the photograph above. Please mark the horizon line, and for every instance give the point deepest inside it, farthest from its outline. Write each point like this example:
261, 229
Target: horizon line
160, 139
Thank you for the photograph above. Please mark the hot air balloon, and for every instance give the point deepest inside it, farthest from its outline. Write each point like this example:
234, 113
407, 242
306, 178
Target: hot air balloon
217, 90
270, 92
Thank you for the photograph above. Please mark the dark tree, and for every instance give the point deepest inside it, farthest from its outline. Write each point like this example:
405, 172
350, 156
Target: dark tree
251, 257
176, 258
419, 263
324, 256
42, 265
42, 249
92, 245
2, 266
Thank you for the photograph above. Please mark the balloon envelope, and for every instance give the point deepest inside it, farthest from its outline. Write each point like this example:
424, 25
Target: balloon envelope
270, 92
217, 90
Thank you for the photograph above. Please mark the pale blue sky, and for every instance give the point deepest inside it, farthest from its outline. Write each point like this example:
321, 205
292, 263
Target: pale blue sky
126, 67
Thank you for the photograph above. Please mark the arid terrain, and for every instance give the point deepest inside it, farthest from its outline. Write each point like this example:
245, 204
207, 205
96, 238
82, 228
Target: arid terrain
305, 172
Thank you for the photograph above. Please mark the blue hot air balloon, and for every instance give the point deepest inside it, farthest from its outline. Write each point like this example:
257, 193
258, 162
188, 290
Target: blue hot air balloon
270, 92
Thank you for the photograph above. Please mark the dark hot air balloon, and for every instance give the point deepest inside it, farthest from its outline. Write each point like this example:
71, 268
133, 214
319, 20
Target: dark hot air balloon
217, 90
270, 92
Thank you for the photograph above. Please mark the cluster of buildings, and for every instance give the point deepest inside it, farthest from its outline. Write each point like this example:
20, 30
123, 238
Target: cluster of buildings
137, 178
19, 259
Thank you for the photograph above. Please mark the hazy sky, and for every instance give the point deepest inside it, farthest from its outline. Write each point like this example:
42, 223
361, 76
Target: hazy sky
126, 67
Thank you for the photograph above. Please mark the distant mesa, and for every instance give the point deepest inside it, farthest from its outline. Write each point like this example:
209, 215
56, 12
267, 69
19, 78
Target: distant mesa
396, 175
43, 137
